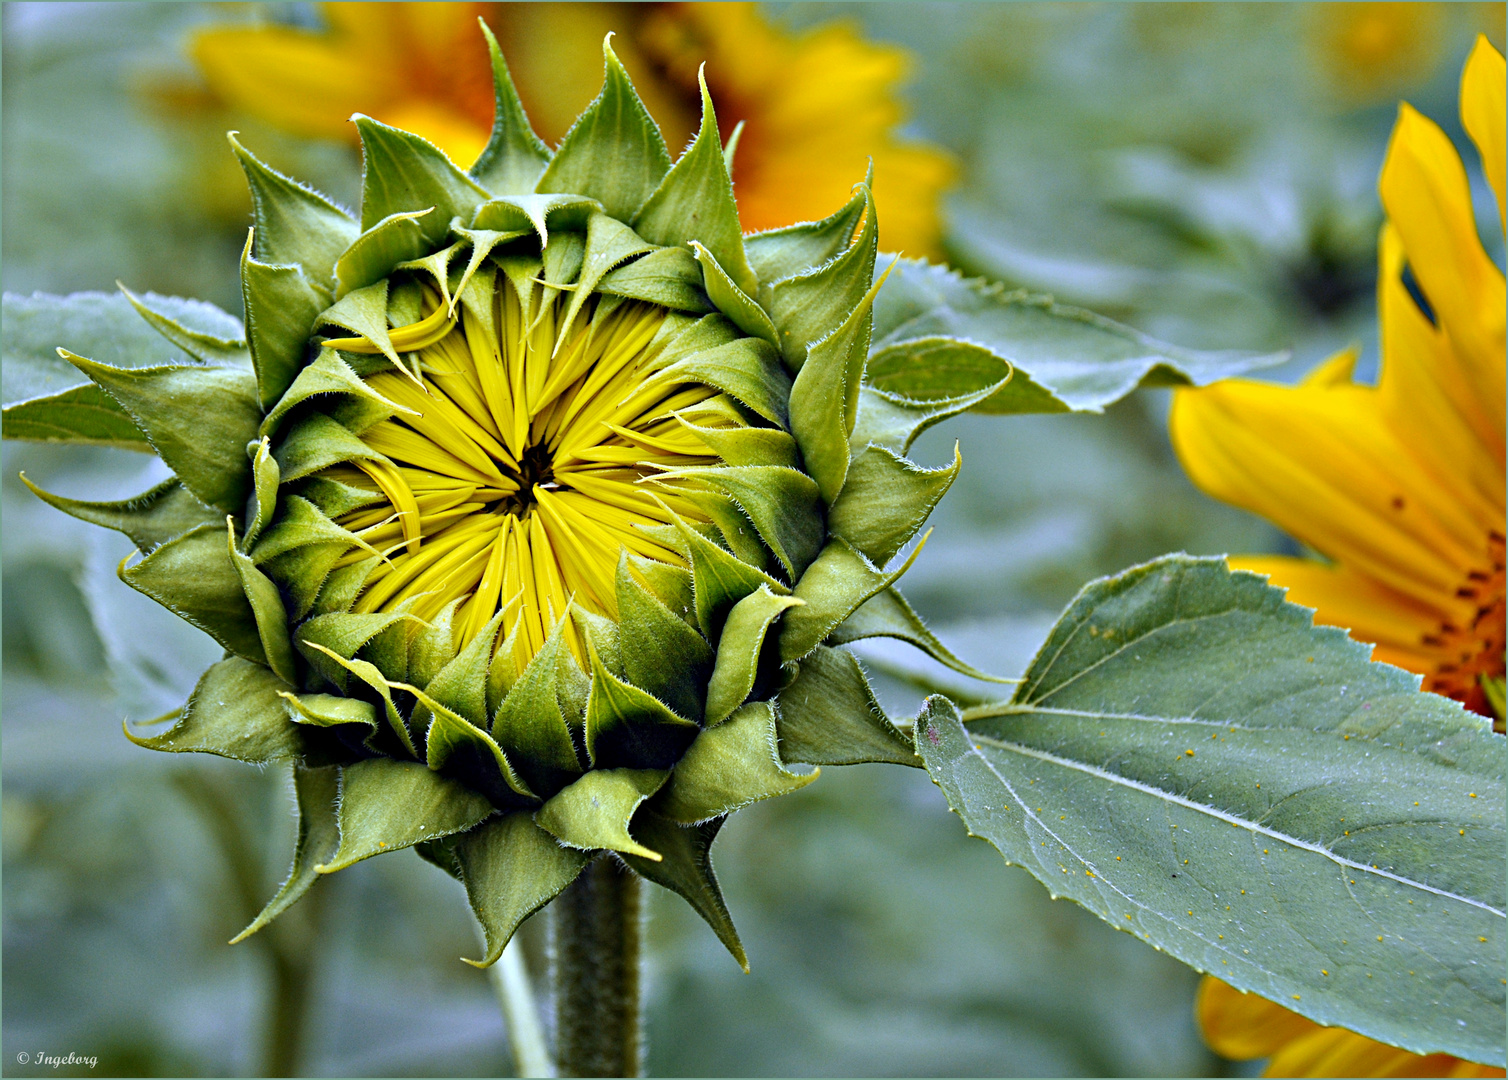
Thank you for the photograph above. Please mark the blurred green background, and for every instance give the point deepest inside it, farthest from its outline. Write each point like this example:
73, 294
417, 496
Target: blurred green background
1205, 172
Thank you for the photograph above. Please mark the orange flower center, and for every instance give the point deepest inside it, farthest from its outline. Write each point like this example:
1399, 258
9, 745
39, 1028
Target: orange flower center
1478, 647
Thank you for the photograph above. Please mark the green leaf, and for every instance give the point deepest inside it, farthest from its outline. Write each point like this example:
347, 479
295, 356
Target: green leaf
198, 418
151, 519
193, 577
514, 157
387, 805
1196, 763
670, 277
1066, 359
511, 868
295, 225
402, 172
829, 716
808, 306
613, 152
593, 812
833, 587
100, 325
887, 614
629, 728
686, 868
281, 304
315, 791
728, 767
886, 499
236, 712
695, 202
738, 651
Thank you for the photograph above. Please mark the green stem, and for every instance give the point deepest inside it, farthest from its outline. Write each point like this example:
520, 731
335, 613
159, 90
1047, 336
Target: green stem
526, 1035
596, 972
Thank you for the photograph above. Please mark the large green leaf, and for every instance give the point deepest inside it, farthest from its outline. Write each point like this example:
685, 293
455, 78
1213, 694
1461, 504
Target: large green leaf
1195, 762
940, 335
47, 398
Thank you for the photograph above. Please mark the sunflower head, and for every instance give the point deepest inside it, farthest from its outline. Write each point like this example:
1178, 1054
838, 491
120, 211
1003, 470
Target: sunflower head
532, 507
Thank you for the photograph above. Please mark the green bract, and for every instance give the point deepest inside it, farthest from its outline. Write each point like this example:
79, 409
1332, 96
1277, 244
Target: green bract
669, 680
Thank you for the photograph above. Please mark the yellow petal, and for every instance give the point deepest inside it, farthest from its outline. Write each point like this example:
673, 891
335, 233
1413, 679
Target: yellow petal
1338, 1052
1342, 597
1317, 461
1243, 1026
1484, 86
1428, 201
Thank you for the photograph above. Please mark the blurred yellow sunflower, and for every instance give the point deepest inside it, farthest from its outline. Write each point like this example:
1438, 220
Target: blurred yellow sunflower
1400, 485
816, 106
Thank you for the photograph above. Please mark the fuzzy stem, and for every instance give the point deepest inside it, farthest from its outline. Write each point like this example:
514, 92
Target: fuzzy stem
596, 972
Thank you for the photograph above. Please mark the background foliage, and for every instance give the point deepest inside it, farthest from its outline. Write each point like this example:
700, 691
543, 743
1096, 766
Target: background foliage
1204, 173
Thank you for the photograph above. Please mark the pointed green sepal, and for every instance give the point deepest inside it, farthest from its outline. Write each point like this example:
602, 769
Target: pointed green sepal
343, 634
395, 239
514, 157
887, 614
784, 505
315, 791
728, 767
301, 524
511, 868
686, 868
748, 445
460, 747
719, 580
317, 442
234, 712
198, 418
629, 728
461, 685
613, 152
738, 651
281, 304
778, 254
402, 171
833, 587
807, 306
369, 674
695, 202
151, 519
825, 396
609, 242
670, 277
303, 573
207, 348
266, 608
746, 369
829, 716
388, 805
894, 422
193, 577
732, 301
661, 652
522, 213
886, 499
593, 813
263, 501
295, 226
330, 710
363, 311
532, 721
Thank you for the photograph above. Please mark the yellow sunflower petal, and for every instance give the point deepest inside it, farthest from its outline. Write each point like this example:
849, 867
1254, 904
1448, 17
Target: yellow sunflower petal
1317, 461
1243, 1026
1338, 1052
1484, 84
1428, 200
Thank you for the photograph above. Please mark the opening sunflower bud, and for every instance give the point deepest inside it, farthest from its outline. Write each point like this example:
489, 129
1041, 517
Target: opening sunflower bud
534, 508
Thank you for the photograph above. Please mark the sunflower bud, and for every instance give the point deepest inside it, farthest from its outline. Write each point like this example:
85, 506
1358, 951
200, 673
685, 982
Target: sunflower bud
532, 525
